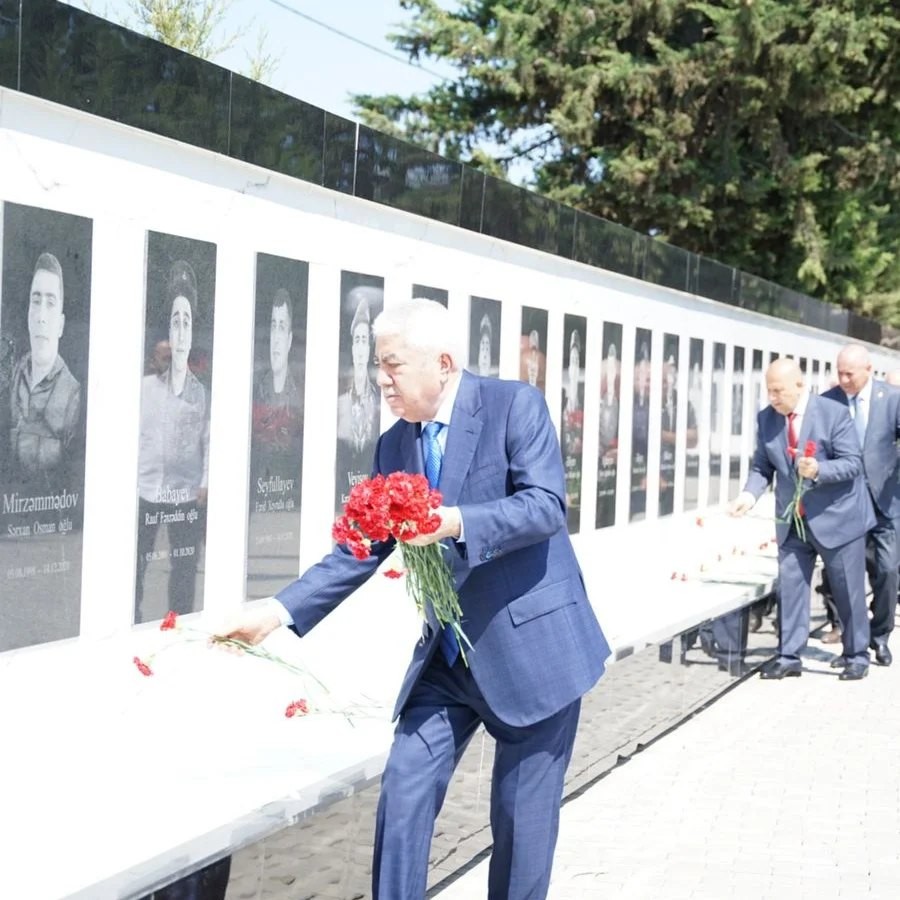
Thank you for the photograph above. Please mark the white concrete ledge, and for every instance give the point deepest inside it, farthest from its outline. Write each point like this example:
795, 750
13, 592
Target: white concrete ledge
118, 783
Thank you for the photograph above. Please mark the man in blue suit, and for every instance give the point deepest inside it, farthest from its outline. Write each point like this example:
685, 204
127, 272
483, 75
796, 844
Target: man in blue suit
836, 514
536, 644
875, 409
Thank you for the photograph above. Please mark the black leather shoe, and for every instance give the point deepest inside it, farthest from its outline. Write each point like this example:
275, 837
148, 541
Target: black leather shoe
779, 669
883, 655
853, 672
838, 662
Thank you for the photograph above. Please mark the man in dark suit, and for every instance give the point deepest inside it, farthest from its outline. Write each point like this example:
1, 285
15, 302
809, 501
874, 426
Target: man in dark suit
536, 644
836, 514
875, 409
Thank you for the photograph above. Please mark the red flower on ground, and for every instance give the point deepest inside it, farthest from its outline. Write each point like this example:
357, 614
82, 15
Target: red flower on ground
170, 622
296, 708
142, 667
393, 573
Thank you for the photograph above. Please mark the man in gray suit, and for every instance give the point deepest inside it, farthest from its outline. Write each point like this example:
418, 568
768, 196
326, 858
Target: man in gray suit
836, 514
536, 646
875, 409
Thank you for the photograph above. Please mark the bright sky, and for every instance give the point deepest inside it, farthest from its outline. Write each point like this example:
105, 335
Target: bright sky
316, 64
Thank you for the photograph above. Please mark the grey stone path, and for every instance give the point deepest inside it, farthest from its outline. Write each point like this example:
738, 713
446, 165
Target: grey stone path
777, 789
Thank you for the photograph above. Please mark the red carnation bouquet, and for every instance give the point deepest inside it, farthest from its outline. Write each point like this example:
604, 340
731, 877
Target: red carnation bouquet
401, 506
794, 512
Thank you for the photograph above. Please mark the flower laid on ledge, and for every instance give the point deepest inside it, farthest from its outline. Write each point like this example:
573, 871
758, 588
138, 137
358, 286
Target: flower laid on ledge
794, 512
295, 709
401, 506
171, 622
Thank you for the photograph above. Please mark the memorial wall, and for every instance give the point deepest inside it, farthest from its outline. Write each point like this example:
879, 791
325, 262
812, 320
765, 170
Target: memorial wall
188, 381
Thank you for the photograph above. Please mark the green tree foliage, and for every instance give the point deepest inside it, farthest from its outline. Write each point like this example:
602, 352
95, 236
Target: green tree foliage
762, 133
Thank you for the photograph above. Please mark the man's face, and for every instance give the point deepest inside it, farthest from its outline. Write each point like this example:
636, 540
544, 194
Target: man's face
280, 337
784, 392
45, 317
853, 373
360, 347
180, 333
411, 380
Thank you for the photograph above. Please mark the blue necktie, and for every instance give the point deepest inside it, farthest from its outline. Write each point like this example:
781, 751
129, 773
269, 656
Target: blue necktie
433, 455
431, 450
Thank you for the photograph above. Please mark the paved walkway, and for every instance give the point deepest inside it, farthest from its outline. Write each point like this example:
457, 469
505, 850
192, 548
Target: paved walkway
779, 789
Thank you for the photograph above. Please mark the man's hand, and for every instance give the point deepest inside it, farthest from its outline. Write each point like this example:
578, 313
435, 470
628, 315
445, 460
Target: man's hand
807, 467
250, 627
449, 527
743, 503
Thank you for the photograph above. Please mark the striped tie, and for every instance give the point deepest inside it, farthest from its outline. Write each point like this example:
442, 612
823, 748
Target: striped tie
433, 455
431, 450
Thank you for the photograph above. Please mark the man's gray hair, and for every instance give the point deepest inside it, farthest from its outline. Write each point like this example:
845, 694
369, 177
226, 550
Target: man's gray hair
424, 325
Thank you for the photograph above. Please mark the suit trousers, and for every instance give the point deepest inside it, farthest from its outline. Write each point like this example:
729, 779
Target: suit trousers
845, 566
437, 723
881, 553
882, 547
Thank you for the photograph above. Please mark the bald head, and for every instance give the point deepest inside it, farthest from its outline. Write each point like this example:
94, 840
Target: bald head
784, 383
854, 369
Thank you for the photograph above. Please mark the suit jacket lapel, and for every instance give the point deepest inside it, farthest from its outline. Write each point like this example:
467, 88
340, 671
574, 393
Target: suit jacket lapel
876, 398
411, 450
779, 441
462, 438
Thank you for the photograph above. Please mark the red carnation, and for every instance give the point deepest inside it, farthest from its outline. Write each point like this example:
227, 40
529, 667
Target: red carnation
810, 449
401, 506
169, 623
142, 667
296, 708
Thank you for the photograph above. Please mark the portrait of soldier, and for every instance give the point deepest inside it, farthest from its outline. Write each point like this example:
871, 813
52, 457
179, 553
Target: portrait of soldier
277, 404
45, 398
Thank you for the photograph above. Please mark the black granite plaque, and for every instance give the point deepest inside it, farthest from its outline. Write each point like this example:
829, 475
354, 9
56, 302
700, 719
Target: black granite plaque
533, 347
484, 336
276, 425
640, 424
407, 177
738, 395
90, 64
173, 455
608, 445
274, 130
358, 398
44, 351
572, 415
669, 425
695, 425
9, 43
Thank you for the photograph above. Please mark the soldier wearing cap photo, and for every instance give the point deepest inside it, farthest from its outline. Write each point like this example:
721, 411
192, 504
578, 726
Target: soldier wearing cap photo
174, 452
